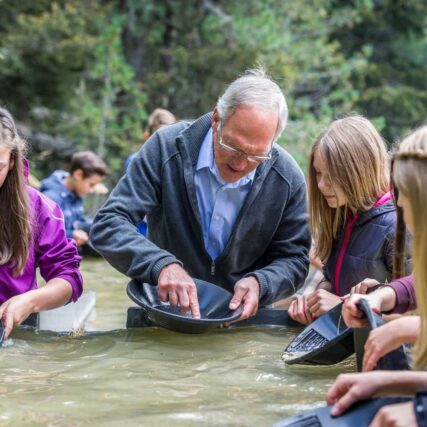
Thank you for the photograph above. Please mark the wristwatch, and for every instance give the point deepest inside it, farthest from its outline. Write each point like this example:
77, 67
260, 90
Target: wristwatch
420, 407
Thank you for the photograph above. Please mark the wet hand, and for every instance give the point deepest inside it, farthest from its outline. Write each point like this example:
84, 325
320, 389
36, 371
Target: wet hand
177, 287
321, 301
246, 293
398, 415
299, 310
351, 388
15, 310
352, 315
389, 337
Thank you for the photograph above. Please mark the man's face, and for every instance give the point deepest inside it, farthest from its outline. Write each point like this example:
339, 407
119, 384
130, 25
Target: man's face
247, 130
84, 186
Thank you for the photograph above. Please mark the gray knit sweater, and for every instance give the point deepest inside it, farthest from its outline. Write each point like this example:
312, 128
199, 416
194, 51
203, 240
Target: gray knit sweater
270, 239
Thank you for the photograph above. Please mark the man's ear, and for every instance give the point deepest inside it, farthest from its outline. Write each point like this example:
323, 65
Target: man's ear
215, 119
78, 174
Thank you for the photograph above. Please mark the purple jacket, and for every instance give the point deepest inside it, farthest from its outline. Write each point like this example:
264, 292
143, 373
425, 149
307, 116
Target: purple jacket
54, 254
405, 294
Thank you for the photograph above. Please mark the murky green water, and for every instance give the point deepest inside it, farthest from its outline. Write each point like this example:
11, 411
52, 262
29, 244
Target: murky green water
152, 377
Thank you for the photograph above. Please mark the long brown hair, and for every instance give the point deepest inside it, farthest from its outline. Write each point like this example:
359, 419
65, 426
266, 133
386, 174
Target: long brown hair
356, 157
410, 178
15, 221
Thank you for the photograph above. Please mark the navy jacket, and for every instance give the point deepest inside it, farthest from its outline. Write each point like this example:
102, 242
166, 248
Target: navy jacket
70, 204
367, 252
270, 239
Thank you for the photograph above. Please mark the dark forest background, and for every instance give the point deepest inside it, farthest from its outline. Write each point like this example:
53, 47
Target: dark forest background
81, 74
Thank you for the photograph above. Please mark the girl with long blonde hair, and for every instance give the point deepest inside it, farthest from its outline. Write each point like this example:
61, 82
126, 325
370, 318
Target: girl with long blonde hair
410, 179
352, 215
32, 235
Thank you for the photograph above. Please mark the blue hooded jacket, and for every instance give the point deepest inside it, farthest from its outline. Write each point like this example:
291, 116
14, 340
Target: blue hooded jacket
69, 202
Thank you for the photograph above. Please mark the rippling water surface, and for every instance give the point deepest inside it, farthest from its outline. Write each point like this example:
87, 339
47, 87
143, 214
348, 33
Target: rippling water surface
152, 377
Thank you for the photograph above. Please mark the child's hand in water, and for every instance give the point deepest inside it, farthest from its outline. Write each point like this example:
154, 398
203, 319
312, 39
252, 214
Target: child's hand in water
321, 301
15, 310
389, 337
299, 310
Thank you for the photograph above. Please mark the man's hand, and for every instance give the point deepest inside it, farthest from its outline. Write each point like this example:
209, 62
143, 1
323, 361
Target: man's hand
80, 236
177, 287
246, 292
319, 302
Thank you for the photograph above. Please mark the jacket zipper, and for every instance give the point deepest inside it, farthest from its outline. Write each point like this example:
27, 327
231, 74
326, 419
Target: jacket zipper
213, 268
342, 251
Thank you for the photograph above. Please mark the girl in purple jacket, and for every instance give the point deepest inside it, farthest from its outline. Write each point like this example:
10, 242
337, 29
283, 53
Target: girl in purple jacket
352, 214
32, 235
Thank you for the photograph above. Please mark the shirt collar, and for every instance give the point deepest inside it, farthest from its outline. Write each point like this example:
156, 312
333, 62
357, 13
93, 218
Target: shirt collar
206, 159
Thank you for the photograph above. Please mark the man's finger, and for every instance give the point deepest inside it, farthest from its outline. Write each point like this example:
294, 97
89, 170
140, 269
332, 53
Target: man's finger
173, 298
194, 303
235, 302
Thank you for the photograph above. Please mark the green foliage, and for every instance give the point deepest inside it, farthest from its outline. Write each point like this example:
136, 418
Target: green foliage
90, 71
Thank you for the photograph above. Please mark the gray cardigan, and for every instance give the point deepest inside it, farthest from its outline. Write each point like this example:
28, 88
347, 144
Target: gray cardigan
270, 239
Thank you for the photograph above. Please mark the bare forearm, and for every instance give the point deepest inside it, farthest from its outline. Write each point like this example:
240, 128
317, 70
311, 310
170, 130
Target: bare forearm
387, 296
55, 293
404, 382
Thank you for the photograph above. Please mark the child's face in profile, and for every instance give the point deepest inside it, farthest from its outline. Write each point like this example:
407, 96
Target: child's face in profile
403, 202
331, 191
84, 186
5, 164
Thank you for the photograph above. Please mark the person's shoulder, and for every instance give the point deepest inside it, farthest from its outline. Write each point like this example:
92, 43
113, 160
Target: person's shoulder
286, 166
42, 205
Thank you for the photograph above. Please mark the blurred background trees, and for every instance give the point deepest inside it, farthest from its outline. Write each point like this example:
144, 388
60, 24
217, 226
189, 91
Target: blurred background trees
86, 74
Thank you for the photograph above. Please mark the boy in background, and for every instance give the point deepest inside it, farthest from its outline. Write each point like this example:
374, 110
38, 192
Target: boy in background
68, 190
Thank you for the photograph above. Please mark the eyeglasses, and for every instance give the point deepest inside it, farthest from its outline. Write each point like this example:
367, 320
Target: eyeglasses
237, 152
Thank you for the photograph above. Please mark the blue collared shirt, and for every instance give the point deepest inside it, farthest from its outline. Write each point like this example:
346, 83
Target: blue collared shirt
219, 201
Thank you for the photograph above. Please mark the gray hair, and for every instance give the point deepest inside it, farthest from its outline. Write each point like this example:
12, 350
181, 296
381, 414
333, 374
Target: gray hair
257, 89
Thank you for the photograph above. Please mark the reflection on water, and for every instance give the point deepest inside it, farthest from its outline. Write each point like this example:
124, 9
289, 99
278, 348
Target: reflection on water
151, 376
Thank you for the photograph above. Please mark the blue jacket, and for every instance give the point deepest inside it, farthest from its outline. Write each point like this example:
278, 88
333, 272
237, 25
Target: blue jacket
364, 250
270, 239
70, 204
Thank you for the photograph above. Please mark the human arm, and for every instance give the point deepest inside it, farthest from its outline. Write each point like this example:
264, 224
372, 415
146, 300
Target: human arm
389, 337
15, 310
351, 388
114, 233
286, 257
56, 256
397, 297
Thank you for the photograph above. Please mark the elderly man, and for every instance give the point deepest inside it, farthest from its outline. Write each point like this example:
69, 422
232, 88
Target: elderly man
223, 203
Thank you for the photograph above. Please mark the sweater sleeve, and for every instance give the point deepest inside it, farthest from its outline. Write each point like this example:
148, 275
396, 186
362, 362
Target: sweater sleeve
288, 251
405, 294
56, 256
114, 233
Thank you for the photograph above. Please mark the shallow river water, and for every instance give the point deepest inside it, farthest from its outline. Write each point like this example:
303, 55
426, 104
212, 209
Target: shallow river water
152, 377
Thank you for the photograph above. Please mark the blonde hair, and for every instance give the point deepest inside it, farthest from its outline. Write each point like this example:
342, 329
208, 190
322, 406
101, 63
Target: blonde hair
15, 224
410, 178
356, 158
